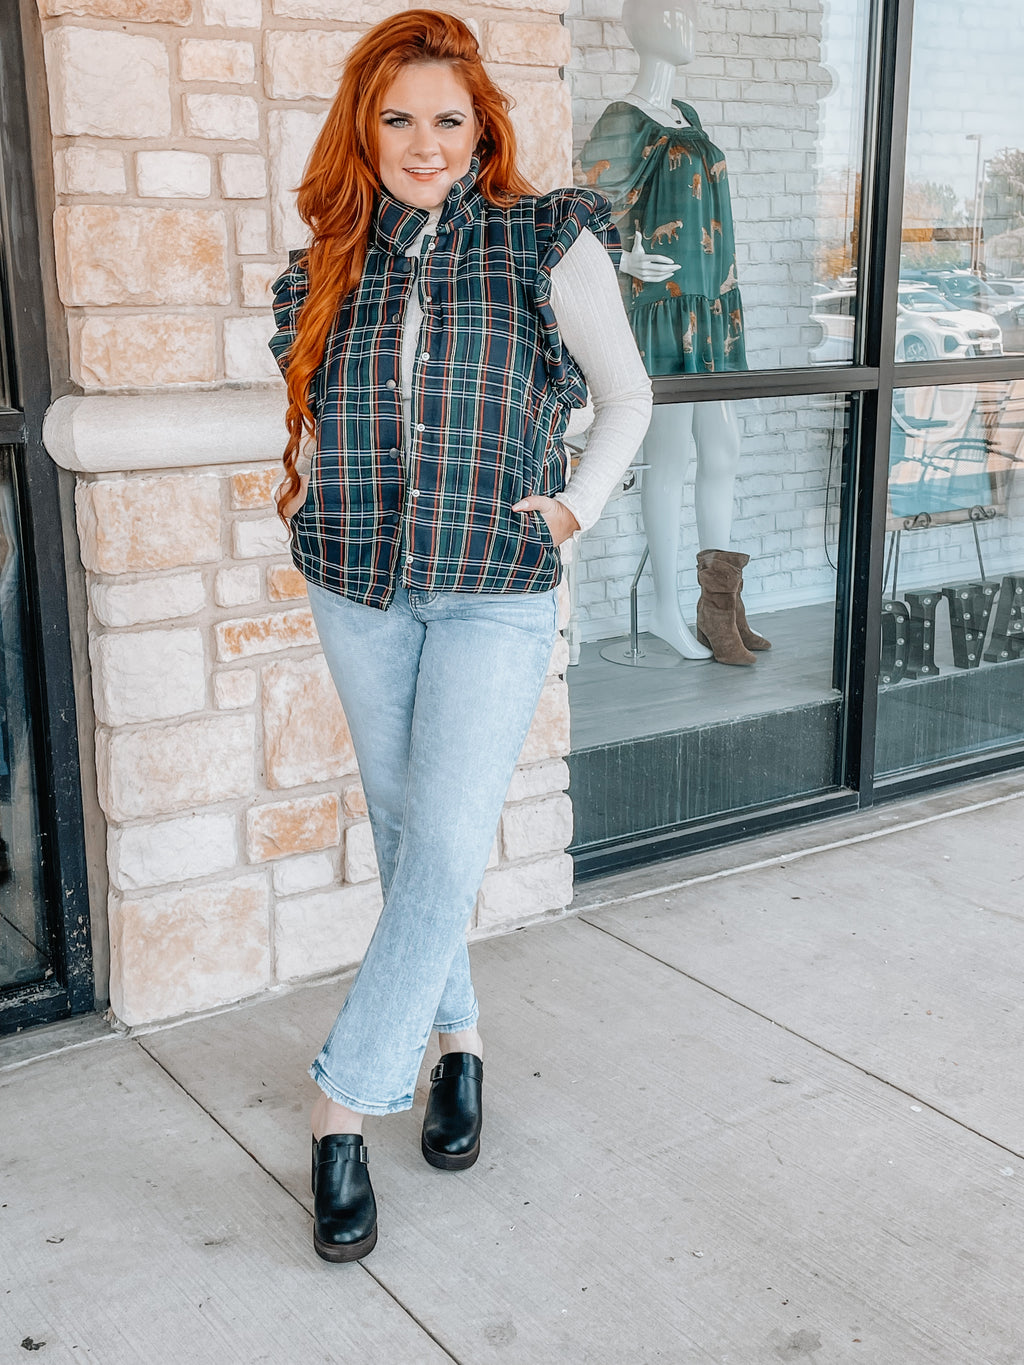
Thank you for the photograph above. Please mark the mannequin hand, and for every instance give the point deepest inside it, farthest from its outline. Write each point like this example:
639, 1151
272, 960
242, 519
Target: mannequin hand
561, 522
294, 503
643, 266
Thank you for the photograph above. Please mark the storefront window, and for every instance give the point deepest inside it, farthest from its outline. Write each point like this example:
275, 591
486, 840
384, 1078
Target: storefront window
729, 142
663, 734
952, 676
962, 264
24, 942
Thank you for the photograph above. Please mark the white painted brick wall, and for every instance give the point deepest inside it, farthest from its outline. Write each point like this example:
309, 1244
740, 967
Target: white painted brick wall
780, 88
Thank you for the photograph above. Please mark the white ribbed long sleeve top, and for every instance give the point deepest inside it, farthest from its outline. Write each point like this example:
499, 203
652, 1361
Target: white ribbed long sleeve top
588, 308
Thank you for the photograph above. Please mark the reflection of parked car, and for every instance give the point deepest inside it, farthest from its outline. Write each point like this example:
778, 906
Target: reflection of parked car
927, 327
998, 298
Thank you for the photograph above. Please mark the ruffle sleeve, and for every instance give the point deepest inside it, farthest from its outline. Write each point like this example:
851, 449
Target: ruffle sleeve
289, 291
560, 218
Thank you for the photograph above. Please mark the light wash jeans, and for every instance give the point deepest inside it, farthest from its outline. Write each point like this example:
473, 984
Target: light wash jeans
439, 692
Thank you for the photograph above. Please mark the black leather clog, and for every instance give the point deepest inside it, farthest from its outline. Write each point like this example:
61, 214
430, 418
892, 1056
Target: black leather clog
454, 1115
344, 1209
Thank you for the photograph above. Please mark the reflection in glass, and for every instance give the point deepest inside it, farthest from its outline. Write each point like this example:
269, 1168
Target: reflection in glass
24, 945
963, 216
952, 675
731, 152
663, 739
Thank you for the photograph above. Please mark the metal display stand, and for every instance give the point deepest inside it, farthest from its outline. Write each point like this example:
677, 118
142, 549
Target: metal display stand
627, 651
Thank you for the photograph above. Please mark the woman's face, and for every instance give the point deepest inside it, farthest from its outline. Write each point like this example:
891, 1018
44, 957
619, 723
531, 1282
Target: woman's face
428, 133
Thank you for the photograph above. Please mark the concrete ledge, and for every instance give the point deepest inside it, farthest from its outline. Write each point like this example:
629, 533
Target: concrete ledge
106, 433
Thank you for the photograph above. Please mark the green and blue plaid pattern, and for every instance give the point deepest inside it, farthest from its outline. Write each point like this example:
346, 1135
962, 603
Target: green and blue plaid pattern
493, 385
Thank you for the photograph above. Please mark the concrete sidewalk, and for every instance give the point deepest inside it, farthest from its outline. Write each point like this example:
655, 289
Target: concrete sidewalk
761, 1105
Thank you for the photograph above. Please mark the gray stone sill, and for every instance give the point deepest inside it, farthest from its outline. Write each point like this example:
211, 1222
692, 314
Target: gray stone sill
114, 433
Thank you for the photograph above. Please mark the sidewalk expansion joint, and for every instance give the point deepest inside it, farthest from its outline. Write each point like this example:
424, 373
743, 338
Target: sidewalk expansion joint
795, 1033
281, 1186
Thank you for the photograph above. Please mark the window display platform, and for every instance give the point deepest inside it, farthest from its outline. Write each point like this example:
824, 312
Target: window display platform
657, 748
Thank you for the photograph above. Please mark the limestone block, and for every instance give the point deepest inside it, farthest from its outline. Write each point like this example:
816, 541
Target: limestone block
325, 932
549, 733
360, 861
340, 11
353, 801
305, 734
151, 599
188, 950
246, 352
250, 539
305, 63
161, 769
172, 175
89, 170
137, 525
216, 59
293, 876
524, 44
300, 825
534, 827
137, 11
252, 488
172, 850
539, 779
138, 256
235, 687
258, 276
264, 634
251, 240
107, 84
147, 675
237, 587
285, 583
243, 175
512, 895
292, 134
230, 117
143, 350
233, 13
559, 660
542, 118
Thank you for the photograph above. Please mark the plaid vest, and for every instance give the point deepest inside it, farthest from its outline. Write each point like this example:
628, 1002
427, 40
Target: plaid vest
430, 508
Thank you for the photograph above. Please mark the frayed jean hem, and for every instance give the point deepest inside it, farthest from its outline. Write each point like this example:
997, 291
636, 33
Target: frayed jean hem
358, 1106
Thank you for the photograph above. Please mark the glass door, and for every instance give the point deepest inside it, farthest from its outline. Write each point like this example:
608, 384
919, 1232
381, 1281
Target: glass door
45, 952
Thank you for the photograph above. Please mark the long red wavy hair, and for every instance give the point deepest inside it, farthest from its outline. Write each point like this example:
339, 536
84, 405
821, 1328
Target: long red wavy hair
337, 195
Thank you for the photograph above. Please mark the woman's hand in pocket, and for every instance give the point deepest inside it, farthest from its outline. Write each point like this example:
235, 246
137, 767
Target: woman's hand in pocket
561, 522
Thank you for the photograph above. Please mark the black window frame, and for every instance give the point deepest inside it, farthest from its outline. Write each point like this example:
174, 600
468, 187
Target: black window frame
869, 381
69, 989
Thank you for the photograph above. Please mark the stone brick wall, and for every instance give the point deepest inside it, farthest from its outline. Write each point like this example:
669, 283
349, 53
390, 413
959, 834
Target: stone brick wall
239, 851
180, 128
238, 848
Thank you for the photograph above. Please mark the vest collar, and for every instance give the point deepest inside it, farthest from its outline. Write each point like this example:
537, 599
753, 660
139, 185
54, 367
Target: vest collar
396, 225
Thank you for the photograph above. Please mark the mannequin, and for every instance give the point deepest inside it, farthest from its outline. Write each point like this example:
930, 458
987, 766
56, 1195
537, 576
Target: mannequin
674, 191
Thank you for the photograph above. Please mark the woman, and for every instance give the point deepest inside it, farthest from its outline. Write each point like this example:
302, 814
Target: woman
434, 337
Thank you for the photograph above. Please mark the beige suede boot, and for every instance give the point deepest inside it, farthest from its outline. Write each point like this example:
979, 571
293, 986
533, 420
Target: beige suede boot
749, 637
719, 573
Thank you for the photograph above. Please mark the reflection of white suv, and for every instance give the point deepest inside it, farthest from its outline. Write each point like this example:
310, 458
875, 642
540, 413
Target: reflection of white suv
927, 327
